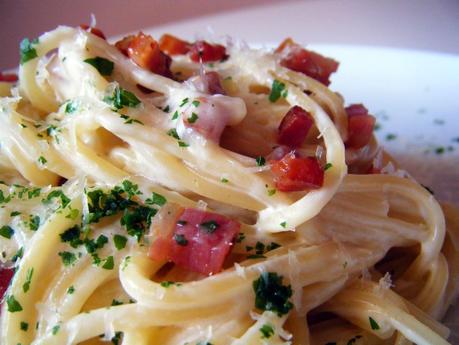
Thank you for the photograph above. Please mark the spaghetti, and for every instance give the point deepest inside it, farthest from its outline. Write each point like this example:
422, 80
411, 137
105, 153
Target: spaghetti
161, 193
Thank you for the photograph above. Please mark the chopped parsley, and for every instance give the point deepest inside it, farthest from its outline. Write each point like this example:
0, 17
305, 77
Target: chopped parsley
137, 220
13, 305
271, 192
6, 231
175, 115
391, 136
256, 256
120, 241
24, 326
115, 302
71, 107
126, 262
116, 338
33, 193
266, 331
42, 160
184, 101
168, 283
240, 237
173, 133
15, 213
166, 109
104, 66
224, 180
18, 254
109, 263
27, 50
55, 329
73, 214
121, 98
440, 150
260, 161
283, 224
71, 290
209, 226
327, 166
72, 236
196, 103
34, 223
57, 194
68, 258
180, 239
156, 199
26, 285
277, 91
129, 120
271, 295
374, 325
193, 118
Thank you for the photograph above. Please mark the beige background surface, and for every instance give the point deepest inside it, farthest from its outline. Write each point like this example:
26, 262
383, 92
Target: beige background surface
413, 24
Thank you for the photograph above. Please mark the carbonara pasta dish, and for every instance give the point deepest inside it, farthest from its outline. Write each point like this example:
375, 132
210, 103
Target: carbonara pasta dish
172, 192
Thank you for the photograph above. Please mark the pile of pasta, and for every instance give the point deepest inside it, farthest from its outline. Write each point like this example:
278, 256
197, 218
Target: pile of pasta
94, 156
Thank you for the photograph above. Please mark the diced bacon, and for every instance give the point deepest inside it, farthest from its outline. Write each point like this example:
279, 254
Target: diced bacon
314, 65
360, 126
209, 115
206, 52
292, 173
294, 127
209, 83
94, 31
199, 242
6, 274
8, 77
144, 51
173, 45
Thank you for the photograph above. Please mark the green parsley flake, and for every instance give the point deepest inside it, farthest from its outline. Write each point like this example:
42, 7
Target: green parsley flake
277, 91
166, 109
15, 213
327, 166
271, 295
374, 325
13, 305
6, 231
121, 98
266, 331
71, 290
109, 263
440, 150
168, 283
175, 115
68, 258
240, 237
73, 214
56, 329
271, 192
193, 118
120, 241
42, 160
18, 254
182, 144
260, 161
224, 180
391, 136
156, 199
283, 224
57, 194
71, 107
115, 302
33, 193
117, 338
104, 66
180, 239
72, 236
27, 50
24, 326
196, 103
184, 101
125, 263
210, 226
34, 223
26, 285
173, 133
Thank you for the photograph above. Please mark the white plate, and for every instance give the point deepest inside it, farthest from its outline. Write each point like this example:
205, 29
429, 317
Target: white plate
414, 96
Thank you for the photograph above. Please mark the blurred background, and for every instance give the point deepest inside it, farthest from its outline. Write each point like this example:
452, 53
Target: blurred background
413, 24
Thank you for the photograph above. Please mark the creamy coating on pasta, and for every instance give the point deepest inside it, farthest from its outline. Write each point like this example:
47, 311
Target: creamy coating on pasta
207, 194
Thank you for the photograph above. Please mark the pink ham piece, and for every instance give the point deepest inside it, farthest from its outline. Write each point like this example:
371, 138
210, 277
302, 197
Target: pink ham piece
294, 127
199, 241
360, 126
209, 115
